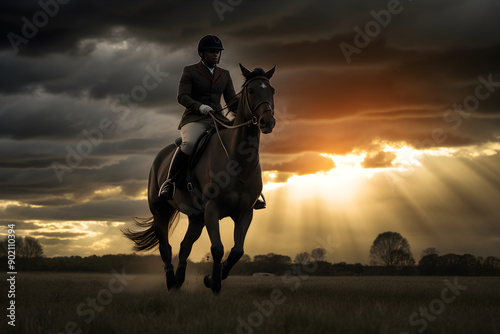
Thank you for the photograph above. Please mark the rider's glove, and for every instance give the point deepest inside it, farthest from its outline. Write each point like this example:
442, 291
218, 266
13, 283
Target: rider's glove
204, 109
231, 116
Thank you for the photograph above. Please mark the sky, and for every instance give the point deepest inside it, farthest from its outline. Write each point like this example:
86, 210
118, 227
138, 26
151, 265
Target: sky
388, 119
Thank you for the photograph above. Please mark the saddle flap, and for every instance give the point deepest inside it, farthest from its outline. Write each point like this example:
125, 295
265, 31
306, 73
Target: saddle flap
199, 148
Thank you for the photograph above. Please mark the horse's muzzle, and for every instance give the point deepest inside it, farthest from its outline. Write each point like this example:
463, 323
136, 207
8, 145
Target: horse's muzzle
267, 121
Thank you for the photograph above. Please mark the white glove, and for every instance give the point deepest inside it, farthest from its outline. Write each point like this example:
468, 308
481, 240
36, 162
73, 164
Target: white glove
230, 115
204, 109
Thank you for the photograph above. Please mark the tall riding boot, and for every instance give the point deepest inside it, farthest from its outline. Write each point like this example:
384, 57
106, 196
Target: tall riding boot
178, 163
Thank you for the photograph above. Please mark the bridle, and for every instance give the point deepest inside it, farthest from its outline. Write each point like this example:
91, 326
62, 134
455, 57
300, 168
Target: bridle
253, 121
255, 118
252, 109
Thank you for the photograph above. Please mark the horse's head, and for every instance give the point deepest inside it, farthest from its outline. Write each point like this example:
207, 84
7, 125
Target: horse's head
259, 97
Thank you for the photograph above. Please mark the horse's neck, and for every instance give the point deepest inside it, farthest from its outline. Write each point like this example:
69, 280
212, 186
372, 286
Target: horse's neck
244, 144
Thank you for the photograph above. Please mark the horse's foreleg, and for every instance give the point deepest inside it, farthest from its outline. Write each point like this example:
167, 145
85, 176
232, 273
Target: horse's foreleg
217, 249
161, 231
193, 233
241, 225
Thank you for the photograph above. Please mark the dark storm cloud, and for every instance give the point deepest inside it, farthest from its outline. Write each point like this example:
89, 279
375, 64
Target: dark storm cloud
92, 76
402, 70
41, 154
33, 185
108, 210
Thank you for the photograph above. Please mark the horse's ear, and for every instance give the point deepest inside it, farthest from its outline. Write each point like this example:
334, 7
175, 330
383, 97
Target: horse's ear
270, 73
245, 72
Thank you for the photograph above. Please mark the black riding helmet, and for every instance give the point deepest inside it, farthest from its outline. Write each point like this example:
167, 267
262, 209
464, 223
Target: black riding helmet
210, 42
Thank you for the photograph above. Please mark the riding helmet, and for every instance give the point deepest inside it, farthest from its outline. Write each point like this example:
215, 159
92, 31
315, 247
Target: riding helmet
210, 42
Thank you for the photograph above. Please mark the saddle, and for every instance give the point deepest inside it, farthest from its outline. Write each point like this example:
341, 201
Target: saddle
199, 147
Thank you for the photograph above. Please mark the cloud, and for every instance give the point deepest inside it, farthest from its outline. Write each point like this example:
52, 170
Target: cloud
60, 235
378, 160
308, 163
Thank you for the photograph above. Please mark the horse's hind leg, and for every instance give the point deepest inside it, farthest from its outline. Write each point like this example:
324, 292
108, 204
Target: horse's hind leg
193, 233
241, 225
162, 216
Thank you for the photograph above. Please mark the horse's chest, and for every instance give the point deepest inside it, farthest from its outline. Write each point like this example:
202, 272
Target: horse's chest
240, 199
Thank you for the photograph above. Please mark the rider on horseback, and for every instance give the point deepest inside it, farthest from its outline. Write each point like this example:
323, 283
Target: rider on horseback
200, 90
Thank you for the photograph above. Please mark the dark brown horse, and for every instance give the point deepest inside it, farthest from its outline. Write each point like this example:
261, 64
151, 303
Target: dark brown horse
226, 182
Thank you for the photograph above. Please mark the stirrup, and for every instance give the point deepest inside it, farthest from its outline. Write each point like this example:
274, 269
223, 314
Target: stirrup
260, 204
163, 186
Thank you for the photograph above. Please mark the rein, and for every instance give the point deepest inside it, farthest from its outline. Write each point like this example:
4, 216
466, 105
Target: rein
253, 121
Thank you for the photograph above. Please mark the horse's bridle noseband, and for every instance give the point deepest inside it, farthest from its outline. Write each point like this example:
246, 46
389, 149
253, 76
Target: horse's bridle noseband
255, 118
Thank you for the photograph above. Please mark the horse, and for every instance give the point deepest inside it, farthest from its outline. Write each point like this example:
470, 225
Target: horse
227, 179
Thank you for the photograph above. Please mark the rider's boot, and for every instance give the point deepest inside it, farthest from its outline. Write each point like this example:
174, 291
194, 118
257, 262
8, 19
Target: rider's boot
260, 204
178, 163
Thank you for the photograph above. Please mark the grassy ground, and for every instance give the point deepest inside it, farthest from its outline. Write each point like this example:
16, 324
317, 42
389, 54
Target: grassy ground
48, 303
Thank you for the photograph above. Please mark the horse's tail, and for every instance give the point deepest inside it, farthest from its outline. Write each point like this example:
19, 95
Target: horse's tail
147, 239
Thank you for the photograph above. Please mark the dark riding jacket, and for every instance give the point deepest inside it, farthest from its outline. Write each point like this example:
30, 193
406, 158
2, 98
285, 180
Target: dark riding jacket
197, 86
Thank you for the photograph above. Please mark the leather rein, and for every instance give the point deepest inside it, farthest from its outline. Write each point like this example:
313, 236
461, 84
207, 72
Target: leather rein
253, 121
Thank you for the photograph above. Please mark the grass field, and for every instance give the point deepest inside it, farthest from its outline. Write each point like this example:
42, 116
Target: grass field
102, 303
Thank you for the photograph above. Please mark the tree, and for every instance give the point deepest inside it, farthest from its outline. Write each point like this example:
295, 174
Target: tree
429, 251
31, 248
302, 258
319, 254
4, 247
491, 265
391, 249
491, 261
428, 264
245, 258
273, 258
26, 247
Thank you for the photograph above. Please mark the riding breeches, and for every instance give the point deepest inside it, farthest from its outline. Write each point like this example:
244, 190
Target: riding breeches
191, 132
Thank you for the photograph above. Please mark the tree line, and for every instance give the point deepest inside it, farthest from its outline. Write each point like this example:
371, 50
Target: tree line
390, 254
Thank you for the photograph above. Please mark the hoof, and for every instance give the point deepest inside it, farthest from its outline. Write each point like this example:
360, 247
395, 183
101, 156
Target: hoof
210, 284
216, 289
207, 280
216, 278
180, 275
171, 281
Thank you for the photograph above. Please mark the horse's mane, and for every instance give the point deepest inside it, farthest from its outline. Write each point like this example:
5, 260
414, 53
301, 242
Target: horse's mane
257, 72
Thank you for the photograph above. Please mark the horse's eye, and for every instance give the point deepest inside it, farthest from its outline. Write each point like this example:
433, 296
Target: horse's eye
250, 90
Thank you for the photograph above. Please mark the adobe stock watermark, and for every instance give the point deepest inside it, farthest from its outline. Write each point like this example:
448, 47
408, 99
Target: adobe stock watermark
436, 307
293, 279
372, 29
87, 311
121, 106
456, 115
40, 19
223, 6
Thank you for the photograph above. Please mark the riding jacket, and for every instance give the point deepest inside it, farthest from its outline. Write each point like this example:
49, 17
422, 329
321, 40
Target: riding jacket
198, 86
